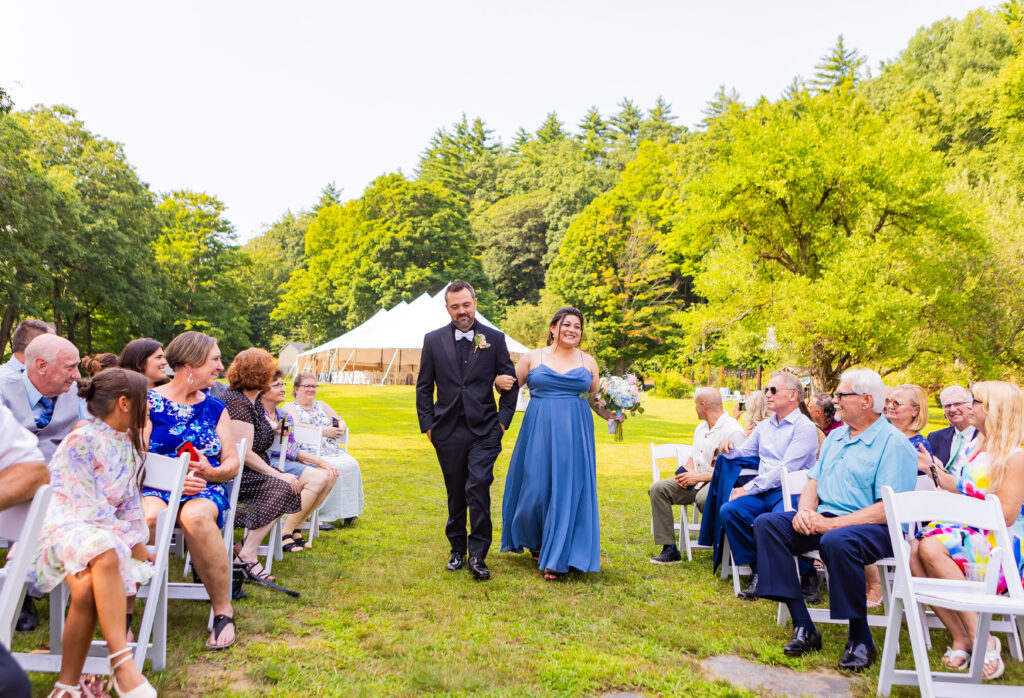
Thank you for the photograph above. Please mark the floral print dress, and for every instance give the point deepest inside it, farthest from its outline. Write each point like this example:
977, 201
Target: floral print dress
968, 545
96, 507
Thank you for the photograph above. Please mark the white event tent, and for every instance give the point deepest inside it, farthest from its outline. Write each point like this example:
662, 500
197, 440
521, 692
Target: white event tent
385, 346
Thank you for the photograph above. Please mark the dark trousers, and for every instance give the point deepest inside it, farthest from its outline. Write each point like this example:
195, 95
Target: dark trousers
845, 552
467, 462
738, 518
13, 681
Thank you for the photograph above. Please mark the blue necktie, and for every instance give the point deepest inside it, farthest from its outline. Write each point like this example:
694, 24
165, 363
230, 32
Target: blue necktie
44, 419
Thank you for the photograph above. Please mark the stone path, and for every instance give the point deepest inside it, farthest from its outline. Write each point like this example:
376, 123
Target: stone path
778, 680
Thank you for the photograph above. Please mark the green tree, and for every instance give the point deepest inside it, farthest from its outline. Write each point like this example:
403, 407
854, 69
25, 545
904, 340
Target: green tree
838, 66
659, 124
593, 135
513, 232
461, 160
551, 130
723, 101
329, 196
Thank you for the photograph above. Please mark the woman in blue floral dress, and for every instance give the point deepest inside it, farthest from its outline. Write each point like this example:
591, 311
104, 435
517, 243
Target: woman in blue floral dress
997, 467
94, 536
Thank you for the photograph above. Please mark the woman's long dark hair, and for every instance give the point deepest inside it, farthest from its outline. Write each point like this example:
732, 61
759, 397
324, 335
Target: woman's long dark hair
560, 315
102, 392
137, 352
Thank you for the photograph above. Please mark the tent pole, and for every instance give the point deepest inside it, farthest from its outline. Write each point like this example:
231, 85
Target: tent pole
389, 367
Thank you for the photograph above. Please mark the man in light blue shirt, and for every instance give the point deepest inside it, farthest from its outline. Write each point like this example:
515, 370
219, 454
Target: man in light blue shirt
789, 441
840, 513
24, 333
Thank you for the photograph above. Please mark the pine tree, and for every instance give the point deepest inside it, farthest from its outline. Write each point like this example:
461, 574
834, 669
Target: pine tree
627, 121
593, 134
720, 103
551, 130
329, 196
838, 66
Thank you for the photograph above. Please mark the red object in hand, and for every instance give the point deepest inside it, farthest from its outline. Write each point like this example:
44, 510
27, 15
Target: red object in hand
193, 454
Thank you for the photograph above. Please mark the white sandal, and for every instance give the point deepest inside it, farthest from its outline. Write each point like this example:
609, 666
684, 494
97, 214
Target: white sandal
62, 689
957, 654
143, 690
994, 655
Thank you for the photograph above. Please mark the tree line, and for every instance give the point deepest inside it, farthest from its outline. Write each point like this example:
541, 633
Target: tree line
855, 219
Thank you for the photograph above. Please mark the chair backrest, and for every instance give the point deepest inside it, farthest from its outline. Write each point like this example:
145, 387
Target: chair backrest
793, 483
908, 508
22, 522
308, 438
924, 484
662, 451
241, 448
162, 472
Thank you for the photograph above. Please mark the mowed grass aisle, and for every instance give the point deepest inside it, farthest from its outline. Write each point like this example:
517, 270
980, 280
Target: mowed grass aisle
380, 616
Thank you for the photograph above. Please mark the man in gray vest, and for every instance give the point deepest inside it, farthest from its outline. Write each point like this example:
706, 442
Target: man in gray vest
44, 399
24, 333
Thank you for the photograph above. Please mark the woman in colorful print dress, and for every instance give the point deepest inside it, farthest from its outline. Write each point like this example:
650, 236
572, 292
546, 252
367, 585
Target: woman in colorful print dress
996, 466
180, 411
95, 533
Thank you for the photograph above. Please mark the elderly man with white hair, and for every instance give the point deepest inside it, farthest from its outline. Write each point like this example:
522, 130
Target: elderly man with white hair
788, 441
950, 445
44, 399
687, 486
840, 514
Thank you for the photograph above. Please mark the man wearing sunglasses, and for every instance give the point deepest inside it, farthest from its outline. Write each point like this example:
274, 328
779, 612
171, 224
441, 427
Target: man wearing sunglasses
950, 445
788, 440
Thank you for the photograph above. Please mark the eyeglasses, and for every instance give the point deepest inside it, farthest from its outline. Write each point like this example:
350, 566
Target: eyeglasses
309, 387
840, 396
896, 404
955, 405
772, 390
277, 385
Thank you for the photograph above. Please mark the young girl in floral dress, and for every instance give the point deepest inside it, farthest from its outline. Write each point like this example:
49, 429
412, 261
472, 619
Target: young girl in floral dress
95, 533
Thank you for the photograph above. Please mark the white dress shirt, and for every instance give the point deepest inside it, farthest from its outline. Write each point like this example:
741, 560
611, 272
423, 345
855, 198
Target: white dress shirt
706, 440
790, 443
13, 367
17, 444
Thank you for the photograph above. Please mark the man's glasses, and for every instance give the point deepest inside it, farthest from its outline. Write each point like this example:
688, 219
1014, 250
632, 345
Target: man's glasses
840, 396
955, 405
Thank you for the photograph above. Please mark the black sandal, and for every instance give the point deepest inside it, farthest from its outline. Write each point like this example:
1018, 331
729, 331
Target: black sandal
219, 623
300, 542
289, 544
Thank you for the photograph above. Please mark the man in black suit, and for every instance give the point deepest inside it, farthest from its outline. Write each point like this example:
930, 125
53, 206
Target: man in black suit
464, 360
950, 445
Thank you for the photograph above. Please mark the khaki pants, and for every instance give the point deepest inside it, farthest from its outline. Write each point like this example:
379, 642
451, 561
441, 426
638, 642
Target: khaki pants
664, 494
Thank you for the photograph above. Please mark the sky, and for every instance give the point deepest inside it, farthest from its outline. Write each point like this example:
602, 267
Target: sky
263, 103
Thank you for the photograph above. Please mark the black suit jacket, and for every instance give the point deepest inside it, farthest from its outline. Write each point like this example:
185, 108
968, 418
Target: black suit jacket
473, 393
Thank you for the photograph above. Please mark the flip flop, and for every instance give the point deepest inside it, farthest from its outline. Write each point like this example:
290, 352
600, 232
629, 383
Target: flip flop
951, 654
219, 623
994, 655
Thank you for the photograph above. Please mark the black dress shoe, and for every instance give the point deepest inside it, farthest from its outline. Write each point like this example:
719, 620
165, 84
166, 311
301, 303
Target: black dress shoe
478, 568
456, 561
858, 656
750, 593
326, 527
28, 619
803, 641
812, 587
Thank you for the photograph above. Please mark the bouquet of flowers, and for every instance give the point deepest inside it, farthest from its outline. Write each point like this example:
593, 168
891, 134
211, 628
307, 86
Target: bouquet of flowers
620, 395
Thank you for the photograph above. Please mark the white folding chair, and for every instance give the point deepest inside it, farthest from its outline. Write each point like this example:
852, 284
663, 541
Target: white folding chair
910, 594
310, 441
680, 453
197, 592
21, 522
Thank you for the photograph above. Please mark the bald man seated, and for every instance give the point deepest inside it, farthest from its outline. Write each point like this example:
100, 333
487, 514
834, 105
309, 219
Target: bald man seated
688, 485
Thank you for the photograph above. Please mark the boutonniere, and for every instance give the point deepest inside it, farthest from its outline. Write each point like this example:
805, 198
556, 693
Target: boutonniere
480, 341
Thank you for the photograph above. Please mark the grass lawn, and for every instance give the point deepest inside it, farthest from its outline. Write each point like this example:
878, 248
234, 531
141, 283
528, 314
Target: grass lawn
380, 616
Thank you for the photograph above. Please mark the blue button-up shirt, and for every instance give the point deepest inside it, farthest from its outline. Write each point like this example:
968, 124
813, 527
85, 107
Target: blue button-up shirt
790, 443
852, 471
13, 367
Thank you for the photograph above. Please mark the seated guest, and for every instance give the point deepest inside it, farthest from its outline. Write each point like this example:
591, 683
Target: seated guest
266, 493
907, 410
786, 442
840, 514
22, 472
757, 410
823, 413
345, 501
316, 476
44, 398
24, 333
94, 363
94, 536
944, 551
951, 445
688, 484
179, 411
145, 356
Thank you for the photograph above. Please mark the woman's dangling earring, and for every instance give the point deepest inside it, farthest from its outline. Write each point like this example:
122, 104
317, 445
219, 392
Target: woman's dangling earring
191, 380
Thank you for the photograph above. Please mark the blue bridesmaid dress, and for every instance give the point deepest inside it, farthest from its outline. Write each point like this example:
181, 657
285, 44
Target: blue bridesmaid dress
550, 498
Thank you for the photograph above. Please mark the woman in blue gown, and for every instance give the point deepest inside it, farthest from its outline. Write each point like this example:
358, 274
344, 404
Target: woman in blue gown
550, 502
